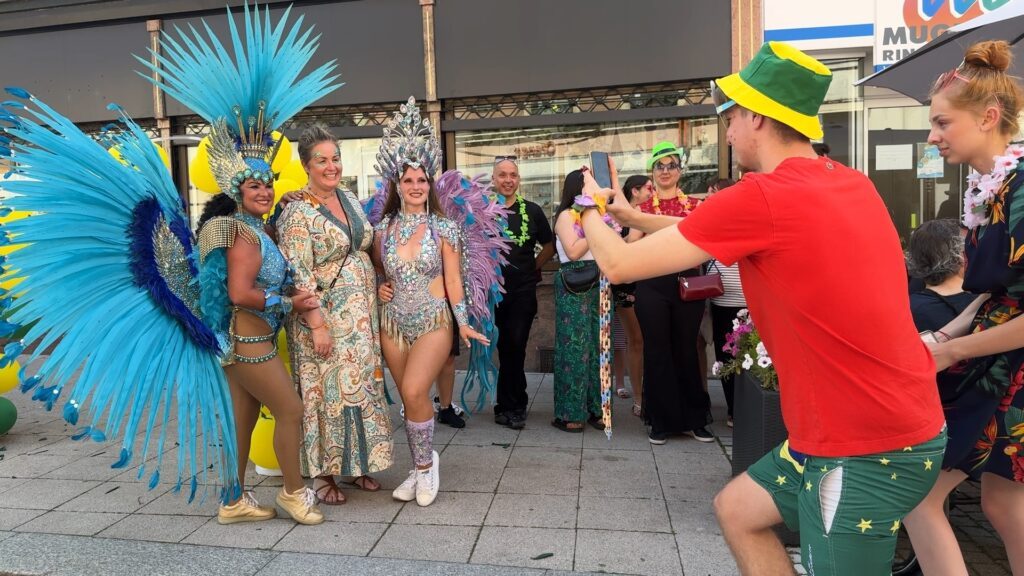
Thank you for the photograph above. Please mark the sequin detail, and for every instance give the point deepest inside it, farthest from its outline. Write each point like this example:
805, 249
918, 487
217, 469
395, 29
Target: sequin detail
273, 271
414, 311
421, 441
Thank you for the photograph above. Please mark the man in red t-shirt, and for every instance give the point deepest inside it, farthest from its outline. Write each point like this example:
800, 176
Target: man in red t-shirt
823, 274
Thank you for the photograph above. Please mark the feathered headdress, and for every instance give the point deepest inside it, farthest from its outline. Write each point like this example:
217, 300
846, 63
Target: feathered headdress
245, 97
408, 141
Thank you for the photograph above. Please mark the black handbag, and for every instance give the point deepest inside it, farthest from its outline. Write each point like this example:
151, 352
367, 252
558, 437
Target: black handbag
580, 279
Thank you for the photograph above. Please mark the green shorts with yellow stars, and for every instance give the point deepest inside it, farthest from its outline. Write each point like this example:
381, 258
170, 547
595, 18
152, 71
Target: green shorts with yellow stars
848, 509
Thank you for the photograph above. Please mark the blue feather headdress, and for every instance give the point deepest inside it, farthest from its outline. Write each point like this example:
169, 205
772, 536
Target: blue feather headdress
245, 97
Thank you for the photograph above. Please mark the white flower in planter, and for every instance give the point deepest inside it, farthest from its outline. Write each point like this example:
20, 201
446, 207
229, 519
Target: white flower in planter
762, 352
716, 369
747, 361
764, 361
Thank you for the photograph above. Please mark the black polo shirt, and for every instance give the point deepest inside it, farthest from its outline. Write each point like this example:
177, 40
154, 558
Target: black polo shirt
519, 272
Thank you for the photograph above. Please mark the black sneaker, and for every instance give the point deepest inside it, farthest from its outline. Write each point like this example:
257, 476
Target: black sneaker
450, 417
512, 419
657, 438
702, 434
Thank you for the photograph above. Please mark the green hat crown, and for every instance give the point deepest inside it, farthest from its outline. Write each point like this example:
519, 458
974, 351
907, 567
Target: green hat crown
782, 83
666, 148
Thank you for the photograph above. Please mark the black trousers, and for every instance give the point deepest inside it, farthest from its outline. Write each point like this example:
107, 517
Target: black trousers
674, 396
514, 318
721, 324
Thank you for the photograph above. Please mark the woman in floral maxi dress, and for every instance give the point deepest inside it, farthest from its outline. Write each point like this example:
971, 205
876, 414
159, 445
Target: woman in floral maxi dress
336, 359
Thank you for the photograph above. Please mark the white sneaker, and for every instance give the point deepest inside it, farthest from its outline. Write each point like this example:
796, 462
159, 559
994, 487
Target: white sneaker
428, 482
406, 491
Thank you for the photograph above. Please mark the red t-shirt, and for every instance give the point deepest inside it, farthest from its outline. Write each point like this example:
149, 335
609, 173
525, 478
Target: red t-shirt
826, 285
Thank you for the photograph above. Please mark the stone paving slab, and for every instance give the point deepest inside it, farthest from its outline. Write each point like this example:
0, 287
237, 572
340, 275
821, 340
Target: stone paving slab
528, 547
507, 497
425, 542
627, 552
350, 538
628, 514
154, 527
533, 511
44, 494
11, 518
60, 555
77, 522
289, 564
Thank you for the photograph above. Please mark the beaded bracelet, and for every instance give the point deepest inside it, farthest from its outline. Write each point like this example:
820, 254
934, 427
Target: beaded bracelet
461, 314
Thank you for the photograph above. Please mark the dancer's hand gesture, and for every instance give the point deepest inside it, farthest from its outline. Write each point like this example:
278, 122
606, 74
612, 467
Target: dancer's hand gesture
466, 334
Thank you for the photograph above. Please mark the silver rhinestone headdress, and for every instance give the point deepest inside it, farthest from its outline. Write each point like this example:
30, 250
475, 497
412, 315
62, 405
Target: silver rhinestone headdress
408, 141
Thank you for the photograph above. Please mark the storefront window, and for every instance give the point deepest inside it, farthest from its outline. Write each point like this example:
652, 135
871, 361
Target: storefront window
913, 181
842, 113
547, 154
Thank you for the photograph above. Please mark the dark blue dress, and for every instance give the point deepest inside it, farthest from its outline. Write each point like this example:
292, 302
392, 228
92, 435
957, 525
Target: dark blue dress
986, 419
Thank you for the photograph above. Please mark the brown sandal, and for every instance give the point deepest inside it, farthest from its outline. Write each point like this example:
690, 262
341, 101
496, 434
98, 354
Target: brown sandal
365, 483
328, 488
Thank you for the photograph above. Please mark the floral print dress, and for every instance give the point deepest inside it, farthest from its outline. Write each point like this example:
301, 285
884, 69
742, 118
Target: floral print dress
985, 406
346, 427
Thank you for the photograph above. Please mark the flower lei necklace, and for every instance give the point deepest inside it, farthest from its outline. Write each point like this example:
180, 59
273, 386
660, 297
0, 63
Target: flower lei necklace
983, 189
524, 223
655, 201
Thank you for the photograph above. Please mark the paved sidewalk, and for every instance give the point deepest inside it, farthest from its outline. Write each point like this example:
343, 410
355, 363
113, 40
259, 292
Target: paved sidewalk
535, 501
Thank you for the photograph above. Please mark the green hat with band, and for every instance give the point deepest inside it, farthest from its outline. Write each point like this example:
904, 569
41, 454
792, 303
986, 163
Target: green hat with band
665, 148
781, 83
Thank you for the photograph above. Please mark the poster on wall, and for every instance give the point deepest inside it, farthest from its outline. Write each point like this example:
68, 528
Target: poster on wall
902, 26
894, 157
929, 163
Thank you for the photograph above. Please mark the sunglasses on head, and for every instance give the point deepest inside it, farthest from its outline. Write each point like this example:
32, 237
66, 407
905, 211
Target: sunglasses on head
667, 167
511, 158
948, 77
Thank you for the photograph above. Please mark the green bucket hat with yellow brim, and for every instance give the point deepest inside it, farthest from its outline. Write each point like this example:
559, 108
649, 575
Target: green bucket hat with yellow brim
665, 148
781, 83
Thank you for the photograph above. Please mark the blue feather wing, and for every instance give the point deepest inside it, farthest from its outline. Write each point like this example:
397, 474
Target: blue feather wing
110, 273
485, 244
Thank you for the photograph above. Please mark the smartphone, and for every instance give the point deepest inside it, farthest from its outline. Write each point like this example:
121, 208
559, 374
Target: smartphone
599, 166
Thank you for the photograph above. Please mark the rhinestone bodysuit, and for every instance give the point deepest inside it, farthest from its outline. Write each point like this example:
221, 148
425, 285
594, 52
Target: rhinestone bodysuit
273, 272
414, 311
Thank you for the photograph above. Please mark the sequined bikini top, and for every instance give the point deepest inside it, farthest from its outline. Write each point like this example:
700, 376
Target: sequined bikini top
427, 264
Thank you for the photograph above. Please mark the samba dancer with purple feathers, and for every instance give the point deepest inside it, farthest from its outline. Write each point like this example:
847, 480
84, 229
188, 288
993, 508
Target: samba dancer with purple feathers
428, 260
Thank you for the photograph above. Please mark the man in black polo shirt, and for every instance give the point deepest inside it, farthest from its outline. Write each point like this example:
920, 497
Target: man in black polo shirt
527, 226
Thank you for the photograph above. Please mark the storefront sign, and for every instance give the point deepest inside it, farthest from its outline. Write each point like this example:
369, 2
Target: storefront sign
904, 26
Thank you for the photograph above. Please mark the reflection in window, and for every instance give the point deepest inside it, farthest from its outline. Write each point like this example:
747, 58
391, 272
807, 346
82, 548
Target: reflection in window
547, 154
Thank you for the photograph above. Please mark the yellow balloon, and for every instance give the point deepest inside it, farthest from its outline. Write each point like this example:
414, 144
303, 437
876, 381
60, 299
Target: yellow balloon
282, 350
199, 171
9, 377
116, 153
281, 187
163, 155
261, 449
296, 173
284, 153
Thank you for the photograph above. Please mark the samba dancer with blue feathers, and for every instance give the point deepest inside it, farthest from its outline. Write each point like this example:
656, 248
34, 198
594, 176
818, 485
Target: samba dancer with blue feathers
243, 275
440, 248
147, 339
